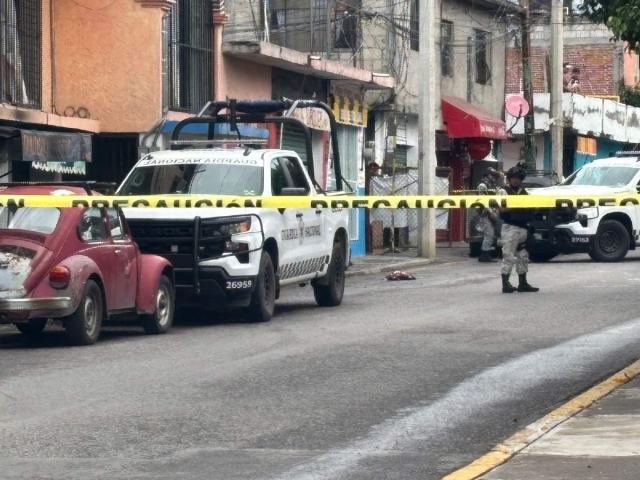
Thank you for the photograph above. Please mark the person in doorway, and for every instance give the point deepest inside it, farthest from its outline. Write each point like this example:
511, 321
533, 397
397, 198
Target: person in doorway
488, 216
515, 230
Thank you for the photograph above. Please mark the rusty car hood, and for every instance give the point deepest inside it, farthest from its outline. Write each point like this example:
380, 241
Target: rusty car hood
20, 263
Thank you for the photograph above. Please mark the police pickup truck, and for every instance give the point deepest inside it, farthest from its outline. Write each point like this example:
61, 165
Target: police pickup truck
240, 257
605, 233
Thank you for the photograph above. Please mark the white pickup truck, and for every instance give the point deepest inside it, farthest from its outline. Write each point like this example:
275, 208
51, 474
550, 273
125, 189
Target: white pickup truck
605, 233
239, 257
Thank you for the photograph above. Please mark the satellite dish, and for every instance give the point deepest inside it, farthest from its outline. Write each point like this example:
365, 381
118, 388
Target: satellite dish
517, 106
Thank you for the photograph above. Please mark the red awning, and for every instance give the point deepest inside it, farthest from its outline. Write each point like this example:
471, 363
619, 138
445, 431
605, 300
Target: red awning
465, 120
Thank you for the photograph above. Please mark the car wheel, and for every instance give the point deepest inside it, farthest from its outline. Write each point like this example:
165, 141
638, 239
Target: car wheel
161, 320
331, 295
83, 326
263, 299
611, 243
32, 329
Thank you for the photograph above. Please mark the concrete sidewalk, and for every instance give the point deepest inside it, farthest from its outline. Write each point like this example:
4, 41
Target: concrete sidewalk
601, 443
406, 260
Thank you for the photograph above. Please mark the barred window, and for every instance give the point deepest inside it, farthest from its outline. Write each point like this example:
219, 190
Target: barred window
414, 25
21, 52
190, 37
446, 48
483, 57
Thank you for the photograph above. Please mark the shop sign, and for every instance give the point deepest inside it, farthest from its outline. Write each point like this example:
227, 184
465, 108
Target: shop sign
313, 118
478, 148
586, 146
349, 111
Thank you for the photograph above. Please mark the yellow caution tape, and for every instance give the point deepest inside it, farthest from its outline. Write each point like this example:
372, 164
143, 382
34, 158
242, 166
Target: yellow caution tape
324, 202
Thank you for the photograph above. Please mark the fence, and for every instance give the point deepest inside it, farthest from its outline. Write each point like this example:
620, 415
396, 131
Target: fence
404, 223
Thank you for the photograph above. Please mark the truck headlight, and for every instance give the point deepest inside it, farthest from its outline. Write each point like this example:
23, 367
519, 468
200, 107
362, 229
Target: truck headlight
241, 226
588, 213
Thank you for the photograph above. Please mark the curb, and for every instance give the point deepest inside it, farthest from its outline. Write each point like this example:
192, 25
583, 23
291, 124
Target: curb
390, 267
501, 453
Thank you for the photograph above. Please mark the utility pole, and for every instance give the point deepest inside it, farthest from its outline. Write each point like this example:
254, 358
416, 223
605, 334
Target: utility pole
427, 163
529, 127
557, 45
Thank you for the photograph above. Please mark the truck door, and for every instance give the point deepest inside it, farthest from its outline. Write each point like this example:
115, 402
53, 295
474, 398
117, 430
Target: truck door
302, 233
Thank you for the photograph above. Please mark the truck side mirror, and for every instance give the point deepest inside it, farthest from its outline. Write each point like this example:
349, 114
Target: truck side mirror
293, 192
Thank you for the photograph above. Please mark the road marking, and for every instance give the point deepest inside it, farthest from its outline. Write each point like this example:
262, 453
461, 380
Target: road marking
504, 451
413, 428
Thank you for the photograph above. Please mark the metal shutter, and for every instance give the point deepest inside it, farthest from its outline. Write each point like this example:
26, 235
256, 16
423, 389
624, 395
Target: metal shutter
293, 139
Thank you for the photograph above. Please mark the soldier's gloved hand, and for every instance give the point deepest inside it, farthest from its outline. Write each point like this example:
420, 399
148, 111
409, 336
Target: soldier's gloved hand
530, 228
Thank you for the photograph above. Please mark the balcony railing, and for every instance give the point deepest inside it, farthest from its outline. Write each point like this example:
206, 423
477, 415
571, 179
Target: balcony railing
315, 29
21, 53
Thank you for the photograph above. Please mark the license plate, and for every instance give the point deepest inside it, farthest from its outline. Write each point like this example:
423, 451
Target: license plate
579, 240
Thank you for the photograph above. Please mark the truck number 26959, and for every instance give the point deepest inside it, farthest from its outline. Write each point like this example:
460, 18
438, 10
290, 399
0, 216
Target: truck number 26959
239, 284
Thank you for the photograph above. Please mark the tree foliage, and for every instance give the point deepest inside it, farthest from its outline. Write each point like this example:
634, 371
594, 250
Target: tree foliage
621, 16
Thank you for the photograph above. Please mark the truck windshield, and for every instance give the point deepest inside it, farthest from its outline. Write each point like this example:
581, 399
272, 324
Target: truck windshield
39, 220
216, 179
602, 176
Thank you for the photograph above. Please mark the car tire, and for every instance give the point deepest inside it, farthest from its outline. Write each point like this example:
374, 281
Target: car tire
83, 326
33, 329
331, 295
160, 321
263, 298
611, 243
475, 249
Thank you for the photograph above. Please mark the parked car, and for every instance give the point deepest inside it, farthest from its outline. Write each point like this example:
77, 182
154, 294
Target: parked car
79, 266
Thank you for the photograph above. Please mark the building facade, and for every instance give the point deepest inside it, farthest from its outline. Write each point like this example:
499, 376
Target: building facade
596, 66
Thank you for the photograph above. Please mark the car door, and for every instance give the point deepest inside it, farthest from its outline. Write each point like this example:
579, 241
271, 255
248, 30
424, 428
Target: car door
126, 255
313, 238
303, 236
290, 222
94, 233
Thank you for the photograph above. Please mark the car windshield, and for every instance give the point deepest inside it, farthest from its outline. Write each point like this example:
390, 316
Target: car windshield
39, 220
602, 176
208, 179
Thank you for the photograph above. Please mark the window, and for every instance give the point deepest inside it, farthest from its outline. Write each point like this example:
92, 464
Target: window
414, 25
205, 178
189, 37
483, 57
278, 178
446, 48
298, 178
346, 25
92, 227
117, 225
39, 220
602, 176
21, 52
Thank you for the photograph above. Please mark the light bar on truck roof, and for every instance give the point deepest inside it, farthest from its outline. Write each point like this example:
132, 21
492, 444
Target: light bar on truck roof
235, 141
630, 153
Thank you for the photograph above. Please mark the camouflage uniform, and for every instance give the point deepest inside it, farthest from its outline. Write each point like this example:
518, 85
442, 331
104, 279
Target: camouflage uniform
485, 225
514, 237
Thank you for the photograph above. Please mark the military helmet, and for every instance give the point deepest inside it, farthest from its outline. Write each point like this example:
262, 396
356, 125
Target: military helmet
516, 172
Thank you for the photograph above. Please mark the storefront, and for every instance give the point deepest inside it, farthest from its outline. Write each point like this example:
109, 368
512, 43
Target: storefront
470, 139
34, 155
351, 116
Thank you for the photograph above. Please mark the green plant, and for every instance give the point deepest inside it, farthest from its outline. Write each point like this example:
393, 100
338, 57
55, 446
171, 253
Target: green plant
621, 16
629, 95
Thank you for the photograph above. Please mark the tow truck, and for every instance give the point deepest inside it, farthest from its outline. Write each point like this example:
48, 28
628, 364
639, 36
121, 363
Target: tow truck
241, 257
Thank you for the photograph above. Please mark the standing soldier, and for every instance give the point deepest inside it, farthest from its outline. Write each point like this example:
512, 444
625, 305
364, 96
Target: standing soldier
515, 230
489, 216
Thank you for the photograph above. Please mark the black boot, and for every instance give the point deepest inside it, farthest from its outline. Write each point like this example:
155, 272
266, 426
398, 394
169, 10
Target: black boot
485, 257
524, 286
506, 286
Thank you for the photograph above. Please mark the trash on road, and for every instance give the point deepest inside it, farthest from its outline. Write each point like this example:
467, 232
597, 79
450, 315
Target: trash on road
398, 275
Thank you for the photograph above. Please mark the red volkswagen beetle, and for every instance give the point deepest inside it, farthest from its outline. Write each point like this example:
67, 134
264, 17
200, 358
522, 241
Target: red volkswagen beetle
79, 266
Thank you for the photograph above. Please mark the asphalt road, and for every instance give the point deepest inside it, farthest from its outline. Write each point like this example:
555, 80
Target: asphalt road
406, 380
